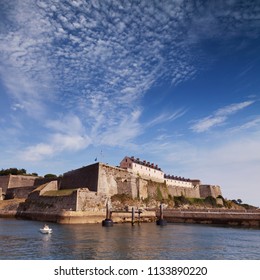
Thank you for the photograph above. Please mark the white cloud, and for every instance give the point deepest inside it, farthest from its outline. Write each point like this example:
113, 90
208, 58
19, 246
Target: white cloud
17, 106
123, 133
56, 143
97, 60
68, 124
68, 135
232, 162
233, 108
218, 117
166, 117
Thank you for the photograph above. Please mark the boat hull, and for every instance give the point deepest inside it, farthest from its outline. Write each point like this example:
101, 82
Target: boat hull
45, 231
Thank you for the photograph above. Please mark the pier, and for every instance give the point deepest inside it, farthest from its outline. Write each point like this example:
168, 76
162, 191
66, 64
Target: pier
214, 216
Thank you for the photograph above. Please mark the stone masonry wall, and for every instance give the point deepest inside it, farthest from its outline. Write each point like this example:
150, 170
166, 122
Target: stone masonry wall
51, 186
110, 179
85, 177
142, 186
90, 201
209, 190
38, 203
4, 181
148, 188
17, 181
187, 192
113, 180
20, 192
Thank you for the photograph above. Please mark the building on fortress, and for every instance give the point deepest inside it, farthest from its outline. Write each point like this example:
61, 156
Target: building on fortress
178, 181
151, 171
142, 168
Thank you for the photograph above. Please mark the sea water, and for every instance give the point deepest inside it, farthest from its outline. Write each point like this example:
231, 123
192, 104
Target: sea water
21, 239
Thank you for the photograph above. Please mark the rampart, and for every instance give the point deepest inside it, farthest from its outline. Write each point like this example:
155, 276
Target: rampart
85, 177
20, 185
20, 192
209, 190
98, 177
113, 180
20, 181
109, 180
4, 181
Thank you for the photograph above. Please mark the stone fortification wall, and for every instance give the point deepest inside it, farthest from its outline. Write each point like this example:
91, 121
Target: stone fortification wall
100, 178
187, 192
40, 181
209, 190
142, 188
19, 181
49, 199
118, 181
51, 186
24, 192
162, 191
85, 177
50, 203
20, 192
112, 180
109, 180
90, 201
4, 181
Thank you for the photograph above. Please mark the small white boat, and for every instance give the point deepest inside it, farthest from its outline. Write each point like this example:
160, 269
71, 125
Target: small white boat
45, 229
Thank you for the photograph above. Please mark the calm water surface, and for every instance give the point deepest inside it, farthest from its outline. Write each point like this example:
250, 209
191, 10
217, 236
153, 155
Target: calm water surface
21, 239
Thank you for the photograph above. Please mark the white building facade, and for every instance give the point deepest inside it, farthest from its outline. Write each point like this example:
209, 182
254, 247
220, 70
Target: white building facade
142, 168
151, 171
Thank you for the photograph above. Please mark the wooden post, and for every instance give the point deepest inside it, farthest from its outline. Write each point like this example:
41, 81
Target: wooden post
108, 221
161, 211
161, 221
133, 216
139, 214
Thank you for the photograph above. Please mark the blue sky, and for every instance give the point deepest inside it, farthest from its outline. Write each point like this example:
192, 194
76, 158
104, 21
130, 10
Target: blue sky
173, 82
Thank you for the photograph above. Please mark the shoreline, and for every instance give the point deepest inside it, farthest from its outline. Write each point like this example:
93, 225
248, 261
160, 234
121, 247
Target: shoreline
224, 217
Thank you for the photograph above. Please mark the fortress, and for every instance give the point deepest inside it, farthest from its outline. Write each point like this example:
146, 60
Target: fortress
82, 196
135, 178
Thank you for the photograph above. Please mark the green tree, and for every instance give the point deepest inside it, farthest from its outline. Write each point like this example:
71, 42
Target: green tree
239, 201
50, 176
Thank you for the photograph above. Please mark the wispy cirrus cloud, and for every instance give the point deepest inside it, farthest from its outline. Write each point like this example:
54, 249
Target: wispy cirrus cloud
218, 117
97, 59
166, 117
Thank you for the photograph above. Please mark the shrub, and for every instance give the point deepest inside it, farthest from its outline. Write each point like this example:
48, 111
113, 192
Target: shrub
159, 194
211, 200
180, 200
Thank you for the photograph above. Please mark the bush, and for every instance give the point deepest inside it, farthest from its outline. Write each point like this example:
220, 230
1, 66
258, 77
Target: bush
159, 196
12, 171
180, 200
211, 200
50, 176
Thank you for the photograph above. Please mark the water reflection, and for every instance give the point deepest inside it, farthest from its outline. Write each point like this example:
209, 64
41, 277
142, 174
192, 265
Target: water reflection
22, 240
